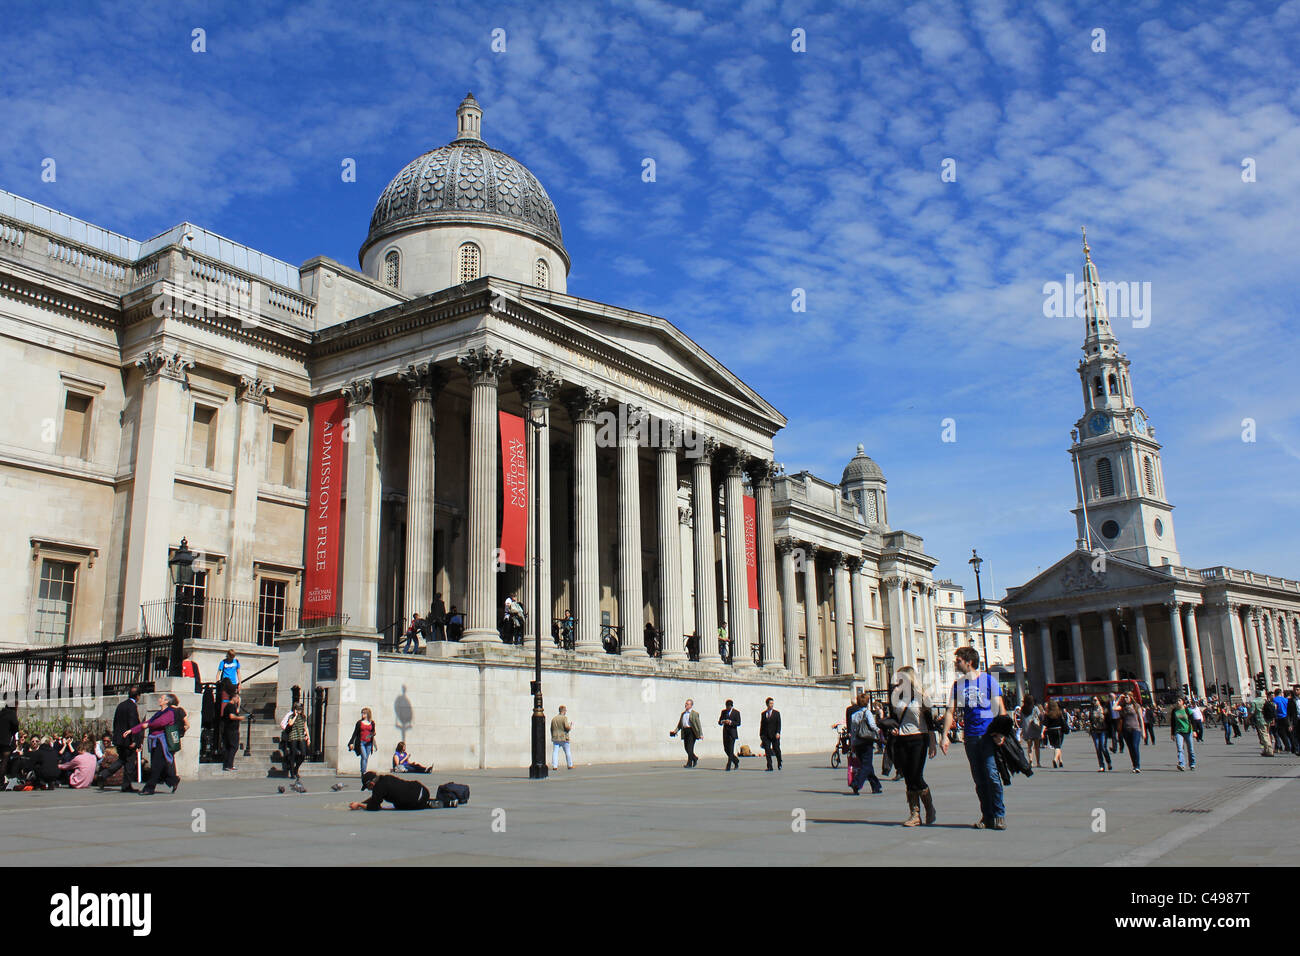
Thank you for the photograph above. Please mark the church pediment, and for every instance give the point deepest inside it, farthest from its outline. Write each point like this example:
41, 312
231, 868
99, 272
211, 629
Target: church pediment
1081, 574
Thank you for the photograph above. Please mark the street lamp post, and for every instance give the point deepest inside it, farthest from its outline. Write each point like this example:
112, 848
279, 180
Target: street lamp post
538, 769
975, 562
181, 566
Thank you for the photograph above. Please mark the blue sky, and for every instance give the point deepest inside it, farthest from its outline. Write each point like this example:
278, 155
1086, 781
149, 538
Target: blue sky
779, 170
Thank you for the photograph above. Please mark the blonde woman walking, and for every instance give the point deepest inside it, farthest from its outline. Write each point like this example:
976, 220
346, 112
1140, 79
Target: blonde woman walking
913, 742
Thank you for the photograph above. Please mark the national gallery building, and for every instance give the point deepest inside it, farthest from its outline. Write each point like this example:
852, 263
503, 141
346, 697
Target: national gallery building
355, 443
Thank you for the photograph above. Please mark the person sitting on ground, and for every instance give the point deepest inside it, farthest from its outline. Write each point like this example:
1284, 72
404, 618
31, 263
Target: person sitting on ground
402, 761
80, 770
45, 765
402, 794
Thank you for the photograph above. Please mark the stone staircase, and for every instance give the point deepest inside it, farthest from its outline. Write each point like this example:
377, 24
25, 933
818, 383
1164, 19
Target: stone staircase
263, 758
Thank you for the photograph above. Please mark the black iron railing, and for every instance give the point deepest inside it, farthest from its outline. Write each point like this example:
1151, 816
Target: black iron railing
107, 667
221, 619
756, 654
564, 631
611, 638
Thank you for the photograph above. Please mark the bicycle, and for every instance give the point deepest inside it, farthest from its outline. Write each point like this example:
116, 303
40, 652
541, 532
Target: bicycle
843, 745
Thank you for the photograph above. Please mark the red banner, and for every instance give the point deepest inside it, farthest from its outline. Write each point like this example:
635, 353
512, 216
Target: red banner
514, 484
320, 586
751, 550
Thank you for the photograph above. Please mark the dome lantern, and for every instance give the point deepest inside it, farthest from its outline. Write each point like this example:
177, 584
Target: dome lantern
469, 119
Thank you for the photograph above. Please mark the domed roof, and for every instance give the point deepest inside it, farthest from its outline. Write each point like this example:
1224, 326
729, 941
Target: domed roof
467, 181
861, 468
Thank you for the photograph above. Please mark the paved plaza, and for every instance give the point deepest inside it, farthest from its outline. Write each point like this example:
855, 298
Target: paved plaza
1232, 811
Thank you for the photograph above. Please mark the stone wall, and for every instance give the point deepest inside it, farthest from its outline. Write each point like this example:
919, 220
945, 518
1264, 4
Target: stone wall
472, 710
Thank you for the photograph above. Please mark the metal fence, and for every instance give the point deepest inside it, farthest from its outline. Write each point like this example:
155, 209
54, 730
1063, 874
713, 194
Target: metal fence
108, 667
222, 619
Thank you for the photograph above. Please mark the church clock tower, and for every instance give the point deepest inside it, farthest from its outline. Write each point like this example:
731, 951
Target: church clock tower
1119, 480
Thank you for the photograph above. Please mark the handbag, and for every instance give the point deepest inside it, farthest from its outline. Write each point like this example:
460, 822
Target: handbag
172, 734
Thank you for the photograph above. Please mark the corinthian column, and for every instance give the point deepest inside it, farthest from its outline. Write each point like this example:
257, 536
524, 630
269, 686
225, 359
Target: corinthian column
810, 609
761, 473
1241, 650
484, 368
584, 406
1176, 634
1194, 642
424, 381
361, 518
789, 616
1108, 645
859, 600
537, 388
740, 633
1144, 645
671, 618
631, 613
843, 643
706, 587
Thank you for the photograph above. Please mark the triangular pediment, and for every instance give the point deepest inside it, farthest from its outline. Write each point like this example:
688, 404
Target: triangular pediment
1082, 574
654, 340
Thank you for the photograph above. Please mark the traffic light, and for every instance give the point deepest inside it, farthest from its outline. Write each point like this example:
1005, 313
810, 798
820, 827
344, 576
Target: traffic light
1185, 692
1259, 683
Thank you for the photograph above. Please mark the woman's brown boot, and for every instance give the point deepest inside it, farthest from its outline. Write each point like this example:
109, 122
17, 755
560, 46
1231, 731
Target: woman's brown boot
914, 806
930, 814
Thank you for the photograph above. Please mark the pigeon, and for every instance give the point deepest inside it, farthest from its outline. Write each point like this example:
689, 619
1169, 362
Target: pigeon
298, 788
337, 787
279, 789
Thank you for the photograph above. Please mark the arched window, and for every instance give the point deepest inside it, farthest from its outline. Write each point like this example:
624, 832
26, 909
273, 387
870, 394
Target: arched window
1096, 385
393, 270
1268, 632
469, 262
1150, 475
1105, 478
1114, 385
542, 274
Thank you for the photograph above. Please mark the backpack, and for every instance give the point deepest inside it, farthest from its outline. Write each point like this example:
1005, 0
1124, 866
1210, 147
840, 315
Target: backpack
861, 726
1270, 710
452, 794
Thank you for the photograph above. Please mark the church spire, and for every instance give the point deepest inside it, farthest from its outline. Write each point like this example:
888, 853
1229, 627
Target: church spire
1096, 319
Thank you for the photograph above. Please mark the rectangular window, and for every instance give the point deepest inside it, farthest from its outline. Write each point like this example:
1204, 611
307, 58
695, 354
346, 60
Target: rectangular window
54, 601
280, 469
270, 610
203, 437
194, 600
875, 612
74, 439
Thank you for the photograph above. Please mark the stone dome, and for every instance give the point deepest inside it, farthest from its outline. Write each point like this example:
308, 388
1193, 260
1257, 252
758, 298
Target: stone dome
861, 468
466, 182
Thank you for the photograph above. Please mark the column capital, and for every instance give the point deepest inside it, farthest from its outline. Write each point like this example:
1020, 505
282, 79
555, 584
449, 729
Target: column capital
853, 562
785, 545
686, 515
171, 365
732, 462
631, 417
892, 581
585, 403
360, 391
253, 390
484, 366
705, 450
841, 561
424, 379
537, 386
763, 471
1174, 605
670, 434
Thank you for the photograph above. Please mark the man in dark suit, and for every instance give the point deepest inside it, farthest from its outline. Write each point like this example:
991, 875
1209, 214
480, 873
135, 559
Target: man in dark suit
769, 734
689, 726
729, 721
438, 618
125, 717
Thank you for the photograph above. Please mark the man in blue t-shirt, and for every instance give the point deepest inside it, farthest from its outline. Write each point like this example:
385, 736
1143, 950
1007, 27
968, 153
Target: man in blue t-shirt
1281, 724
228, 669
978, 699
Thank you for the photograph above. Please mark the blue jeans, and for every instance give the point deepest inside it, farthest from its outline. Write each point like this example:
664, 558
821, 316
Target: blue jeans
1134, 740
863, 752
1185, 739
364, 751
556, 747
1103, 752
984, 771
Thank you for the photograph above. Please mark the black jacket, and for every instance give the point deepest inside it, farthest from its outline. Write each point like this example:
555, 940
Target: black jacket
1010, 757
402, 794
769, 727
125, 717
354, 744
8, 727
730, 731
46, 763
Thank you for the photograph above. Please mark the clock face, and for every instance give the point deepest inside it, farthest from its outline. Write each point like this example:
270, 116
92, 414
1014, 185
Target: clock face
1139, 424
1099, 424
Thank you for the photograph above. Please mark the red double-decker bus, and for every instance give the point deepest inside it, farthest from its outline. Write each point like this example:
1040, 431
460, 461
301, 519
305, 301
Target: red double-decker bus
1081, 694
